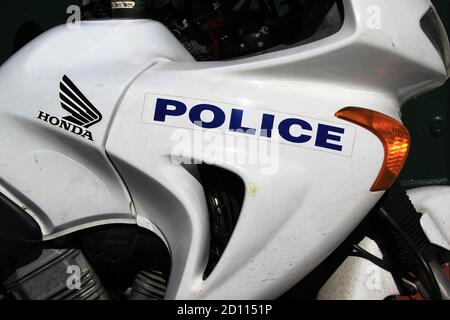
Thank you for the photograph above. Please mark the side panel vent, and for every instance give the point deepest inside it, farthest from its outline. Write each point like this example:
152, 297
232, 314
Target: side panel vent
225, 192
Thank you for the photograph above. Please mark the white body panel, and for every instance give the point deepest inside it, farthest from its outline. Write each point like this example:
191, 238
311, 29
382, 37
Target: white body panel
433, 203
360, 279
292, 217
67, 182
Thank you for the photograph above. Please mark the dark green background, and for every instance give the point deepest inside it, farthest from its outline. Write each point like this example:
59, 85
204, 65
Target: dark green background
427, 117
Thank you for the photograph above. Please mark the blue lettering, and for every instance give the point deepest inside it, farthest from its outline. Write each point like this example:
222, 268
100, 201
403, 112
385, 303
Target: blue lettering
162, 109
328, 137
236, 123
324, 136
267, 125
216, 122
286, 125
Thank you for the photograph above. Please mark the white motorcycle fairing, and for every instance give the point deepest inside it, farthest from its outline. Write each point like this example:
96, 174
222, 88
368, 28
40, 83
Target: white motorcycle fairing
291, 218
63, 179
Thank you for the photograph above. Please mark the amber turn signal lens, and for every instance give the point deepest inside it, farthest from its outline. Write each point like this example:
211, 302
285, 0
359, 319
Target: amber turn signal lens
392, 134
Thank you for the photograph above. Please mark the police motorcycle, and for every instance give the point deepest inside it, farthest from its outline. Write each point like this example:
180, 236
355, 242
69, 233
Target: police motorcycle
221, 150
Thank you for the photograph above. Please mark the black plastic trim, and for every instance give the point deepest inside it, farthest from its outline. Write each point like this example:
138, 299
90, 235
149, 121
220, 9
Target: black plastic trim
16, 224
434, 29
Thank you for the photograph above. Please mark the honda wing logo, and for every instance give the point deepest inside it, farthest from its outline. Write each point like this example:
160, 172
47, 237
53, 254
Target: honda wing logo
83, 114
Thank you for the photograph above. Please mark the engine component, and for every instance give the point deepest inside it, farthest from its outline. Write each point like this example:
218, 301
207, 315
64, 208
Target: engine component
119, 252
56, 275
218, 30
149, 285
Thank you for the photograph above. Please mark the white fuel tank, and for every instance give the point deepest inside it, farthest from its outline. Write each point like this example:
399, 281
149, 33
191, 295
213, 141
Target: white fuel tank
57, 98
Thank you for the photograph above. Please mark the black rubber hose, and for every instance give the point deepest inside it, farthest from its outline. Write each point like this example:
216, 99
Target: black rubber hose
434, 290
400, 208
411, 248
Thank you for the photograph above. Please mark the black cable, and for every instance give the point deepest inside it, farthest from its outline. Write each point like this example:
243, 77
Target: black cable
364, 254
435, 292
